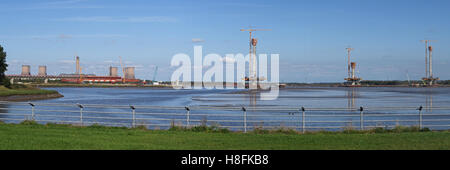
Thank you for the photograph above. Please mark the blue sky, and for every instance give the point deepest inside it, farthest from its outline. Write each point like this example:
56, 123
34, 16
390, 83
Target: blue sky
310, 36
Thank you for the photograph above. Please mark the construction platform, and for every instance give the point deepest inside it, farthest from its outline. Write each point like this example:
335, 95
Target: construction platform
430, 81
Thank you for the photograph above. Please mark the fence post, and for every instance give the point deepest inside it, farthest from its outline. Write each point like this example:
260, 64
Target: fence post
303, 119
81, 113
187, 116
361, 120
420, 117
32, 110
133, 124
245, 119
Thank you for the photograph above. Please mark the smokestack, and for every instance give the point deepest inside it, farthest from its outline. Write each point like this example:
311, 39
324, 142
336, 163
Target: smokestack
42, 71
113, 72
26, 70
77, 65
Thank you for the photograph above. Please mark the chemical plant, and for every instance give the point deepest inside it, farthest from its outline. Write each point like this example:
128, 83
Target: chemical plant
128, 76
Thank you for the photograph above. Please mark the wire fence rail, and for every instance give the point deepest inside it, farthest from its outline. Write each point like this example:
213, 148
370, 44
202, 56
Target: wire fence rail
237, 118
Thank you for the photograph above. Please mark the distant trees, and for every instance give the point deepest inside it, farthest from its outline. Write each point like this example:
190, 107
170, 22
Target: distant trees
3, 67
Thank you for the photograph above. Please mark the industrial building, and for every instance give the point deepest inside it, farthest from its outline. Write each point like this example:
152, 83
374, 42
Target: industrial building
77, 77
113, 77
129, 73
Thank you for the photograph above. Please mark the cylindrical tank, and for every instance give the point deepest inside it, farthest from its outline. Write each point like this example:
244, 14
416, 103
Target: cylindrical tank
42, 71
129, 73
113, 71
26, 70
254, 41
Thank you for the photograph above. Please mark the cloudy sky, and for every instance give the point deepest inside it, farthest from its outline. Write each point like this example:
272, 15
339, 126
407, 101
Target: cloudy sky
309, 36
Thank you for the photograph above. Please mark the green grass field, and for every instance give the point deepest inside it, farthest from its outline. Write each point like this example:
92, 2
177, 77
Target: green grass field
51, 136
23, 91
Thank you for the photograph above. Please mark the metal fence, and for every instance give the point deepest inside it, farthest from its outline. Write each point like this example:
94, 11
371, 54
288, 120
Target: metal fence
243, 118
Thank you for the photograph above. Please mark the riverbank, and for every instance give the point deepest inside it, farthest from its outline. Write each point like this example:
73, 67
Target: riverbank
99, 85
26, 93
288, 85
32, 136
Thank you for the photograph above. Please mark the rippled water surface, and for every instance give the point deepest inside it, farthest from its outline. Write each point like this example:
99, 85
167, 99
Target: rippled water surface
308, 97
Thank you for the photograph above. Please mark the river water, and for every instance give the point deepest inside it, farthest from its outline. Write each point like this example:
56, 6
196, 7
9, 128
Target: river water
308, 97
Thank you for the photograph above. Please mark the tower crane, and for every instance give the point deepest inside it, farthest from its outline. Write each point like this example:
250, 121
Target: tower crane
252, 52
349, 64
427, 73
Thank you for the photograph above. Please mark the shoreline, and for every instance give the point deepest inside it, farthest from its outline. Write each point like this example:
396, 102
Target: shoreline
100, 86
169, 86
30, 97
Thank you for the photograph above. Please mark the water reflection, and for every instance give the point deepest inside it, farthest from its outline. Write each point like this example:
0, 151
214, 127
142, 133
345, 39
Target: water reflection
252, 98
429, 99
352, 94
3, 111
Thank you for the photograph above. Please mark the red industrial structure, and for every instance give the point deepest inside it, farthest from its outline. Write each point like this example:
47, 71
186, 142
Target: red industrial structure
98, 79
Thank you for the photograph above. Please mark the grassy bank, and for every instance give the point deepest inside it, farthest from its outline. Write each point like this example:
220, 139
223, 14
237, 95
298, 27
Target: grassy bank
23, 90
51, 136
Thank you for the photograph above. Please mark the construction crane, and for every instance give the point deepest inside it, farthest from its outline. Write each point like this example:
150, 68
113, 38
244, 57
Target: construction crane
154, 74
252, 53
352, 80
427, 73
349, 64
429, 79
123, 70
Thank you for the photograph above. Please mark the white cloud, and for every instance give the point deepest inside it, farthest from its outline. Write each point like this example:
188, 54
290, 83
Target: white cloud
197, 40
143, 19
64, 36
110, 61
71, 36
228, 60
64, 2
67, 61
